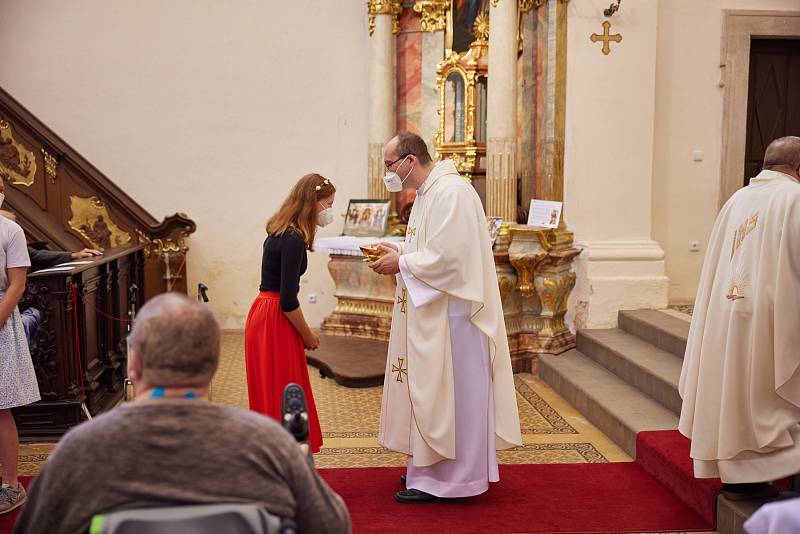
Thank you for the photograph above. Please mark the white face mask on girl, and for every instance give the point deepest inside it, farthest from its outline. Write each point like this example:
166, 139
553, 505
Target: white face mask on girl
324, 217
392, 180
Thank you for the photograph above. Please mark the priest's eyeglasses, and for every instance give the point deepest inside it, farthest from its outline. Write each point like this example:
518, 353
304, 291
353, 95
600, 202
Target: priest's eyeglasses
388, 165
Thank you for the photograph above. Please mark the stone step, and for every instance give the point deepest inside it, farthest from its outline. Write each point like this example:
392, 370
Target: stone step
618, 409
648, 368
663, 330
731, 515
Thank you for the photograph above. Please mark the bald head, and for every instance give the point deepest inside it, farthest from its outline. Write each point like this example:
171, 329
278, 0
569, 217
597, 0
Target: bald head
176, 342
783, 154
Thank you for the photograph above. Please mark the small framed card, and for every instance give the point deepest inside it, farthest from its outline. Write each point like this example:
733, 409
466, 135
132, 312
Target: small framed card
366, 218
545, 213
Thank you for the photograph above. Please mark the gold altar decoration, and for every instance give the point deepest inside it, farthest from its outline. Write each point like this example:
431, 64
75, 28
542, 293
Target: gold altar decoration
434, 14
527, 5
158, 246
17, 163
50, 165
91, 220
392, 8
536, 306
462, 83
606, 37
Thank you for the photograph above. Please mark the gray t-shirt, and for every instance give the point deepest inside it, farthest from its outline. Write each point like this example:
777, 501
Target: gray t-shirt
167, 452
13, 249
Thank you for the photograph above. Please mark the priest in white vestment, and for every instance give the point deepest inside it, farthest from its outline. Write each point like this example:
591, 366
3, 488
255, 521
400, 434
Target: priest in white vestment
448, 399
740, 381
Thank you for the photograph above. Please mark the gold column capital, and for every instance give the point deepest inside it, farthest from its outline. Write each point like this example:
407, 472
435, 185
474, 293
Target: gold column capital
434, 14
527, 5
393, 8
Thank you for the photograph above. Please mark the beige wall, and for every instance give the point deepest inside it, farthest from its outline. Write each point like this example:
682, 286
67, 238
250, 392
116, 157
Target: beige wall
207, 107
608, 165
689, 118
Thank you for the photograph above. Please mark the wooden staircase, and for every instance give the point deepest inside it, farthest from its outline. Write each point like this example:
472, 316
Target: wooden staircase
63, 202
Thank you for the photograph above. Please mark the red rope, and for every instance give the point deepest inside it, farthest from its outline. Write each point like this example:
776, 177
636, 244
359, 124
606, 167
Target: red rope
177, 274
77, 339
104, 314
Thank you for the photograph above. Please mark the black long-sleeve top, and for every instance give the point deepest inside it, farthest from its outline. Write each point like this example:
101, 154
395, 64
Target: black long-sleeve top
283, 263
44, 259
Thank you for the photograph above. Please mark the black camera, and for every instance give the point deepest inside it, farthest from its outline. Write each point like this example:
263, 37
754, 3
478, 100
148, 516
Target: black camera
294, 412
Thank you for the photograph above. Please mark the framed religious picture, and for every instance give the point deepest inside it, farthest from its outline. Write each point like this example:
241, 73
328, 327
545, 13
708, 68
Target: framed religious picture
462, 15
366, 218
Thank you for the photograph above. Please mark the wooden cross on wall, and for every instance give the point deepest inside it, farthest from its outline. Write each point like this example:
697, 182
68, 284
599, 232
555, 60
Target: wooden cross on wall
606, 37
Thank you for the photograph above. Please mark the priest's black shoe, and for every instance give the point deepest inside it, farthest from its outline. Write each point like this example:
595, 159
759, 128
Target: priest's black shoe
403, 480
414, 496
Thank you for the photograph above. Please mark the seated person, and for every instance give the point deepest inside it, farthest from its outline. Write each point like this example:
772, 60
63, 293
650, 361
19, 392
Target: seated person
44, 259
171, 446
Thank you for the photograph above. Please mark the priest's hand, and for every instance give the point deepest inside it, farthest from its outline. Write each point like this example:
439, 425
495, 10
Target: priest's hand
389, 262
85, 253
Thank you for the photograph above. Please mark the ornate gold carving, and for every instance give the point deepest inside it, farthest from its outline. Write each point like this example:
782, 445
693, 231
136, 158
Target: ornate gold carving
527, 5
543, 260
400, 369
472, 66
506, 286
480, 28
606, 37
91, 220
393, 8
158, 246
434, 14
50, 165
17, 163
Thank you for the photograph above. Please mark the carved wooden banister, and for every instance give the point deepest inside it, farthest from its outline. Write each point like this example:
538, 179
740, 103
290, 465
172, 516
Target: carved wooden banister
60, 198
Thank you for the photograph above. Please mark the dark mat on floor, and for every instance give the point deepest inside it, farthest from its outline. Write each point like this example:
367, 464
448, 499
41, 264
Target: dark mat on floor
350, 361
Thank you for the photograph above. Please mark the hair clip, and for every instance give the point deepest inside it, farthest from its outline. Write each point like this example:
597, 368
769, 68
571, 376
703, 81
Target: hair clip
324, 182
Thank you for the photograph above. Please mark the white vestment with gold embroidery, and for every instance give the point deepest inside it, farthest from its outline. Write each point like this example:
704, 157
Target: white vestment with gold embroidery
448, 274
740, 381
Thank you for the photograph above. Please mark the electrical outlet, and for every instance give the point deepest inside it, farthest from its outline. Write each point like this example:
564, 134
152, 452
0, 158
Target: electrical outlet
312, 298
694, 246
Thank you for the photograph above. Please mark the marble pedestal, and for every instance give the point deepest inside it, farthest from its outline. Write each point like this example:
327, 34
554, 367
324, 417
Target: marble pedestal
364, 300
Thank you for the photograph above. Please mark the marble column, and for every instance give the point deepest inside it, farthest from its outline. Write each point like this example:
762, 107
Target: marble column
382, 88
501, 179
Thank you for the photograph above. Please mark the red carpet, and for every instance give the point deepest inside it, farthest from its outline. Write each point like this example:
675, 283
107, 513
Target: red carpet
544, 498
664, 454
7, 520
654, 494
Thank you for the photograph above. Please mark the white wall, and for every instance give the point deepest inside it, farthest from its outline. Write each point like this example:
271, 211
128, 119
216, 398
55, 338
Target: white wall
207, 107
689, 118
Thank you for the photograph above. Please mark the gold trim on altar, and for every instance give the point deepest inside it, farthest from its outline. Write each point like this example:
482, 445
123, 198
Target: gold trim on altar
462, 81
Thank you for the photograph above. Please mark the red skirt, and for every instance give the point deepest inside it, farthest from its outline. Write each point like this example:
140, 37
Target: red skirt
275, 356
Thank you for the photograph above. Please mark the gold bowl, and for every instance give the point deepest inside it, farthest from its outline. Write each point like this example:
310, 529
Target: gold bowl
371, 252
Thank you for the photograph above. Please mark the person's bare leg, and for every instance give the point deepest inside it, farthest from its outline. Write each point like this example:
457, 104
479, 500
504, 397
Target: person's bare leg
9, 448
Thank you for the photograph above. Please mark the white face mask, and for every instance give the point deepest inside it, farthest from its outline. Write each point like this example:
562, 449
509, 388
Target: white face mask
324, 217
392, 180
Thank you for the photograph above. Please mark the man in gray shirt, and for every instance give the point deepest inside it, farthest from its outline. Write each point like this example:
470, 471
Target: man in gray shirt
171, 446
